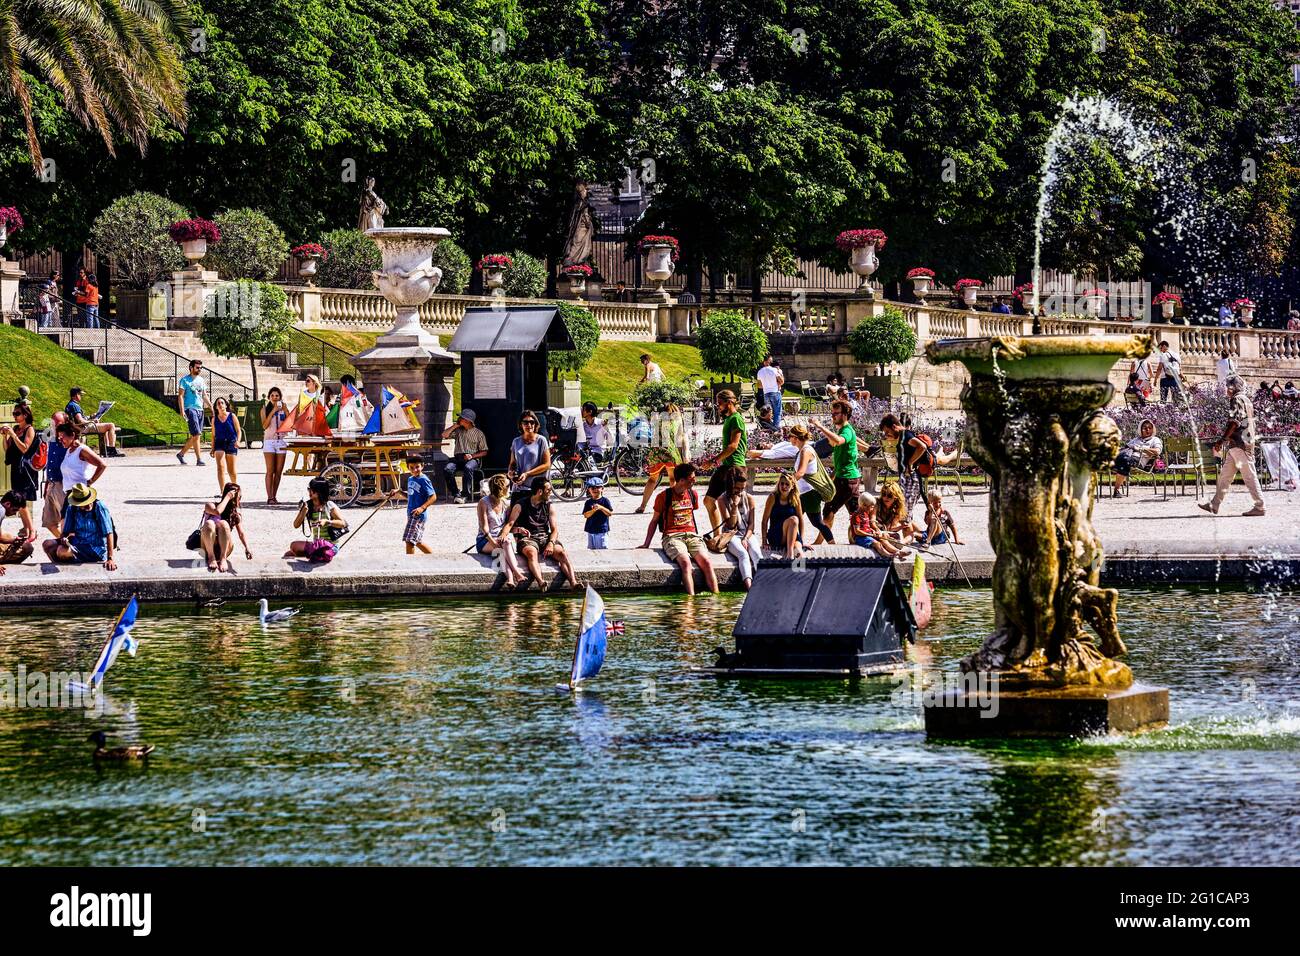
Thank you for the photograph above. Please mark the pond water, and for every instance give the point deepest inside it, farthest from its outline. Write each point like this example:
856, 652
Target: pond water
430, 732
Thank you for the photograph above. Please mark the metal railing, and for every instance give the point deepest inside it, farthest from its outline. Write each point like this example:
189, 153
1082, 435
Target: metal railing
116, 345
313, 350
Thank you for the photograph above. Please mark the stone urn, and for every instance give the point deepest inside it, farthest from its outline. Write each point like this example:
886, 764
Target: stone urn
864, 264
194, 249
921, 286
407, 280
969, 296
307, 266
659, 268
1092, 305
577, 284
1167, 310
1037, 429
494, 280
1247, 313
4, 234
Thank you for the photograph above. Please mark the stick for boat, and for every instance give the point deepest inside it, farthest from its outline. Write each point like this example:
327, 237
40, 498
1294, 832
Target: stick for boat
373, 511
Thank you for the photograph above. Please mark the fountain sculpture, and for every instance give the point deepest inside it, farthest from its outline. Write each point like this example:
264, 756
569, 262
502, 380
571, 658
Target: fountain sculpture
1037, 429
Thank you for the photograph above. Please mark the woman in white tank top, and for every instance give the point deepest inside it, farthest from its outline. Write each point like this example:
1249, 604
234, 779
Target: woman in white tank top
80, 465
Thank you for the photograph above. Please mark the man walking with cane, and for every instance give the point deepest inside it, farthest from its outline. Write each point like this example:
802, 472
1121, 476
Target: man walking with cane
1239, 435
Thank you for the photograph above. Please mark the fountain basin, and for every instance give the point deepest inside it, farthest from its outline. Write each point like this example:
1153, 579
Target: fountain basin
1065, 358
1074, 712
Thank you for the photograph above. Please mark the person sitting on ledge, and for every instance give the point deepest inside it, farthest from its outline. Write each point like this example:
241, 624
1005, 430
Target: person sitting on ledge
14, 549
87, 534
532, 519
319, 518
674, 516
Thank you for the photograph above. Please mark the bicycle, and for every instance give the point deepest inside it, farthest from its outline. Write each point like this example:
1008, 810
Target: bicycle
572, 466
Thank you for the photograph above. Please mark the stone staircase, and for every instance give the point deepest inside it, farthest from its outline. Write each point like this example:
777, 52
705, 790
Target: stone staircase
152, 360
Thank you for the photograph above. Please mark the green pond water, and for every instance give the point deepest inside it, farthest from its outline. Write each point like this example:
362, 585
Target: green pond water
429, 732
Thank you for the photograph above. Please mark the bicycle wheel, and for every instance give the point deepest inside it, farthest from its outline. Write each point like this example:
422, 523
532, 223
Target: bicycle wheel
566, 483
629, 467
345, 483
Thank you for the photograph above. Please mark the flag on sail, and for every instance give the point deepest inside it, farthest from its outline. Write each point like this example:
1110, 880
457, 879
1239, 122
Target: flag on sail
354, 410
398, 413
310, 418
589, 654
120, 640
921, 607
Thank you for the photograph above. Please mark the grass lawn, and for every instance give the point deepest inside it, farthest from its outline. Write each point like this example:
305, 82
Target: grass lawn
608, 377
30, 359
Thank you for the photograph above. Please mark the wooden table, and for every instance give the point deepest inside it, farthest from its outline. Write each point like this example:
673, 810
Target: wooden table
870, 468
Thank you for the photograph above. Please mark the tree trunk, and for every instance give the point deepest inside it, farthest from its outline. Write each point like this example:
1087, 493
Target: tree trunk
104, 276
252, 363
755, 280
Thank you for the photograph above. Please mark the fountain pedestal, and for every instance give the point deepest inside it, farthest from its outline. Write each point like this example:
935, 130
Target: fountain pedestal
407, 357
1036, 427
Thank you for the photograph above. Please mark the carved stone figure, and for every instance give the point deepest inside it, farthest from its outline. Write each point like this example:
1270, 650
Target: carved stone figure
373, 209
579, 244
1036, 429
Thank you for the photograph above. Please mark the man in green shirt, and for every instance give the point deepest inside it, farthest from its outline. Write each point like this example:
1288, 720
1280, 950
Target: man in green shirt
735, 447
844, 454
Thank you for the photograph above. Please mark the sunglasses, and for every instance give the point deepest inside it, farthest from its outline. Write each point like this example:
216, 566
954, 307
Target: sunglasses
528, 421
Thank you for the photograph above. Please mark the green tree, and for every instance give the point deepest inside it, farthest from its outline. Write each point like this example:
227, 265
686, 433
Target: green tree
116, 66
881, 339
731, 344
251, 246
585, 332
455, 266
246, 318
652, 397
352, 257
133, 232
525, 277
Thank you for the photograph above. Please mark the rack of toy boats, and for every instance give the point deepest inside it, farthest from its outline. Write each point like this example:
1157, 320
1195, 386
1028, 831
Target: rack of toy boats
826, 617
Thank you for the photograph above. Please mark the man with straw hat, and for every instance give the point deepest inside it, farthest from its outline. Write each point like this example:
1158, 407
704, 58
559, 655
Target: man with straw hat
86, 533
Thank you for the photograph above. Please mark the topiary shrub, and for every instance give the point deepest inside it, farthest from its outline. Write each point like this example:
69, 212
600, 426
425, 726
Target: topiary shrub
525, 277
251, 246
247, 317
352, 257
882, 339
731, 344
133, 232
454, 263
653, 397
585, 332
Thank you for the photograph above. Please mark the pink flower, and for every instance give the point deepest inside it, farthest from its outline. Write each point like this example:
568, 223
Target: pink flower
920, 272
187, 230
309, 250
851, 239
648, 241
495, 260
961, 284
10, 218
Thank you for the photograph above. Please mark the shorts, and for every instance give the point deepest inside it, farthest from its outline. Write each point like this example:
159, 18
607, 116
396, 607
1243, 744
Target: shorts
863, 541
940, 538
194, 419
274, 446
720, 482
845, 489
532, 542
228, 447
481, 543
597, 542
415, 525
55, 498
683, 544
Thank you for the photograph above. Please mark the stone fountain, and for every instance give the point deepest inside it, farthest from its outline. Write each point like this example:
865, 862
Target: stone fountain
1036, 427
408, 357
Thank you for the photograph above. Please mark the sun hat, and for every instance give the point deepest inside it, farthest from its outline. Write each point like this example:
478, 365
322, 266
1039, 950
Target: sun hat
468, 415
82, 494
595, 481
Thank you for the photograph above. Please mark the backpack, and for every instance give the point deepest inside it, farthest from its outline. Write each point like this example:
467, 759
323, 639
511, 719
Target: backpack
41, 456
925, 464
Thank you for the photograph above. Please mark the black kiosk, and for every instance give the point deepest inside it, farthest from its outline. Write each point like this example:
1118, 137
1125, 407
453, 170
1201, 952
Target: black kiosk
503, 368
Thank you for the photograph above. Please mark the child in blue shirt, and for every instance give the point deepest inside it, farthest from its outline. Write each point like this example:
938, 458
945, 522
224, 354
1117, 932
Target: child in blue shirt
419, 495
597, 512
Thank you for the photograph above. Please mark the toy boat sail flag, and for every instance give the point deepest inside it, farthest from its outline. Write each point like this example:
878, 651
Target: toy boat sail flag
352, 411
309, 420
921, 607
589, 653
119, 640
395, 414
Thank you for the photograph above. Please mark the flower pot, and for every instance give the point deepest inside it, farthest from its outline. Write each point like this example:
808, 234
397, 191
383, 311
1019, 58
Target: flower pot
1167, 310
1091, 305
577, 285
1247, 315
969, 294
194, 249
921, 286
4, 234
307, 268
659, 269
864, 263
494, 279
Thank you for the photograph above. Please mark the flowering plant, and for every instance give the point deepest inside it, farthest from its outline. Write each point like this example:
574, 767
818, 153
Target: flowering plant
578, 269
10, 218
1244, 304
187, 230
1099, 293
920, 272
851, 239
309, 250
495, 260
1025, 291
961, 284
649, 241
1163, 297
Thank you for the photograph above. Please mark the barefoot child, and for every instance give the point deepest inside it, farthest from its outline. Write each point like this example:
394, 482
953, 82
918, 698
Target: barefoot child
865, 533
597, 510
419, 495
939, 526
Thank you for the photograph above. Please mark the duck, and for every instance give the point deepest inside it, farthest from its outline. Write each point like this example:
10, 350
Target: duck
274, 617
129, 752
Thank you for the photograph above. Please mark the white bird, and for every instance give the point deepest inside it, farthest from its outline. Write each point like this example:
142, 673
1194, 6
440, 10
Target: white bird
275, 617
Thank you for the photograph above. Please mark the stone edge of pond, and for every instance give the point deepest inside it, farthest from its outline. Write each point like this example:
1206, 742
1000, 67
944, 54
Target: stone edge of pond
93, 586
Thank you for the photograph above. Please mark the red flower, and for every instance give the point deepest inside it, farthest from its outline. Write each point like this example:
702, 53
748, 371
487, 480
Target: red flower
1024, 291
495, 260
648, 241
309, 250
851, 239
961, 284
920, 272
578, 269
10, 218
187, 230
1244, 304
1164, 297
